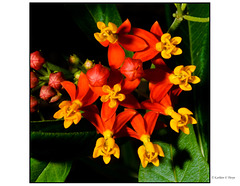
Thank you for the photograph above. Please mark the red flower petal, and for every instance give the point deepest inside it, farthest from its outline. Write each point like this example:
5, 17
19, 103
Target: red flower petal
95, 119
138, 124
156, 29
104, 43
125, 27
147, 36
90, 98
130, 102
146, 54
107, 112
70, 88
98, 90
83, 86
122, 118
160, 90
115, 77
116, 55
132, 43
126, 131
109, 123
129, 86
151, 119
153, 106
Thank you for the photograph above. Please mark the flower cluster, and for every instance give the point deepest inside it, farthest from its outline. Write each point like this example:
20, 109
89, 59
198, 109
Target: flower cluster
114, 87
41, 75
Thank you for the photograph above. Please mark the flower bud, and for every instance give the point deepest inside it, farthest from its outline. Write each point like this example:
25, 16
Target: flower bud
88, 64
55, 80
98, 75
132, 68
55, 98
33, 80
47, 92
33, 104
36, 60
73, 59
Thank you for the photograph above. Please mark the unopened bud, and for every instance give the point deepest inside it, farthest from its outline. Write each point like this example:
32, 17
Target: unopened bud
36, 60
88, 64
33, 104
98, 75
55, 80
33, 80
132, 68
47, 92
74, 59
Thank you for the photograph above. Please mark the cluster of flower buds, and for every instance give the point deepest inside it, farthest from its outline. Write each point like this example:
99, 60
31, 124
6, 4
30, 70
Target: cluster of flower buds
114, 86
41, 75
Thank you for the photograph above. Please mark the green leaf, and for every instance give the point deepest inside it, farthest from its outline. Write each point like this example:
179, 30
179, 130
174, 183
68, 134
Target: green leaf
86, 16
49, 172
199, 50
183, 161
67, 74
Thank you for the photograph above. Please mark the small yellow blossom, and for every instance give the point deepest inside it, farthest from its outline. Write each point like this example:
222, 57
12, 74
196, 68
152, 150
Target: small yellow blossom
149, 152
107, 32
88, 64
180, 119
113, 95
167, 46
70, 112
106, 146
182, 76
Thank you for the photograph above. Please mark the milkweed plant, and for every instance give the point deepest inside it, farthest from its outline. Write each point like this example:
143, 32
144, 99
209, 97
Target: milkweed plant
134, 100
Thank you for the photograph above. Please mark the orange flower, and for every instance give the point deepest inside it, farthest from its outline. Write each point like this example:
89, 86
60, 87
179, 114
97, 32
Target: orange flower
80, 99
144, 126
159, 44
108, 125
113, 37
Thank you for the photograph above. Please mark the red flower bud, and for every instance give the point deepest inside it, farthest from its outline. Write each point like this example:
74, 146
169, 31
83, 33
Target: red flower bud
33, 104
132, 69
36, 60
33, 80
98, 75
55, 80
47, 92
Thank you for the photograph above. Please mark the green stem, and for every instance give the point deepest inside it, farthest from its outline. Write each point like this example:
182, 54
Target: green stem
174, 25
196, 19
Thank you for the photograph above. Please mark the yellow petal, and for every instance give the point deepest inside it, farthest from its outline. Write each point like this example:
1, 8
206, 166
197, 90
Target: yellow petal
178, 69
117, 87
112, 103
106, 89
190, 67
155, 162
187, 87
78, 117
194, 80
192, 120
176, 51
121, 97
184, 111
104, 98
174, 79
112, 27
67, 123
59, 114
159, 46
101, 25
64, 103
185, 129
159, 150
165, 37
165, 54
176, 116
176, 40
99, 38
149, 147
141, 151
117, 151
100, 142
173, 125
106, 159
110, 143
97, 152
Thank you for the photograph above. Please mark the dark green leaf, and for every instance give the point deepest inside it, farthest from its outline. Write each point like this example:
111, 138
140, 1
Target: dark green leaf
183, 161
36, 168
55, 172
199, 50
